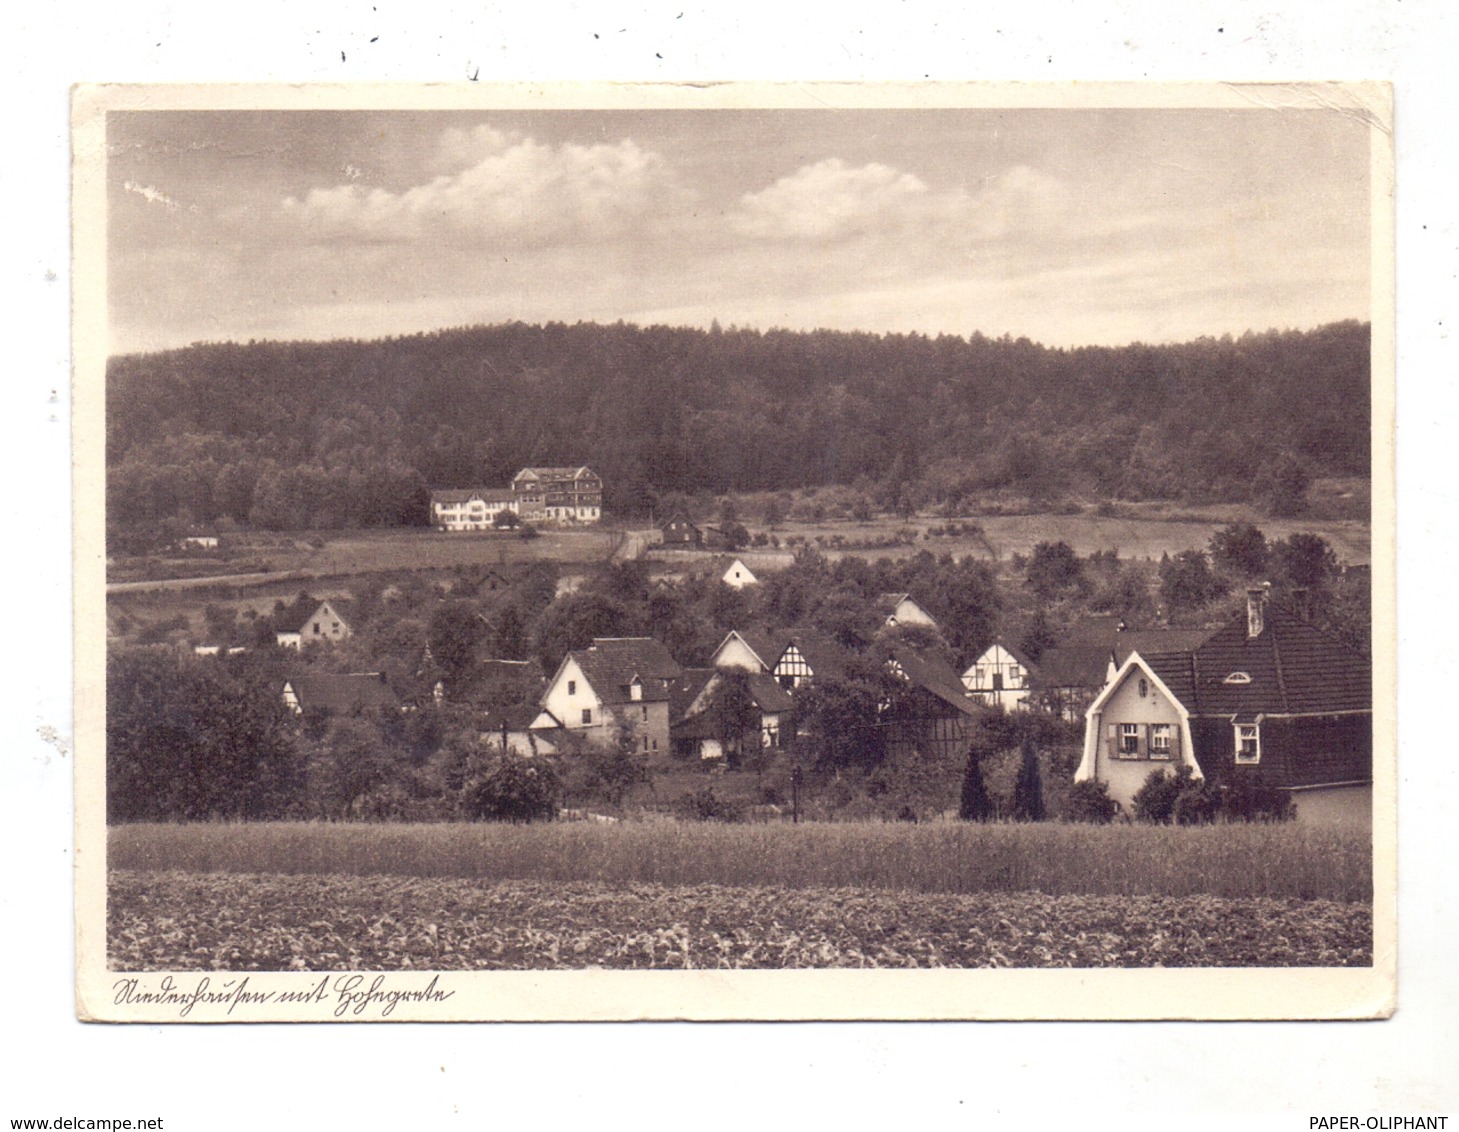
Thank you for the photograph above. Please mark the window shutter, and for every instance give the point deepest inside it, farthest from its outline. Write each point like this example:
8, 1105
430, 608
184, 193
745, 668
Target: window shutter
1175, 742
1113, 743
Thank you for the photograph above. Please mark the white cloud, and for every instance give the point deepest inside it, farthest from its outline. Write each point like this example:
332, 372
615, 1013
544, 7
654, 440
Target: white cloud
832, 200
506, 188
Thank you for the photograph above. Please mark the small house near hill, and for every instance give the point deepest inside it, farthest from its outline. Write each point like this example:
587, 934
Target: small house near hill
617, 683
680, 532
900, 609
328, 693
1267, 701
932, 714
737, 576
1000, 677
301, 626
697, 732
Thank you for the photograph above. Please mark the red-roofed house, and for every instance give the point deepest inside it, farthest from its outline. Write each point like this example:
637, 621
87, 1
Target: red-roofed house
1269, 699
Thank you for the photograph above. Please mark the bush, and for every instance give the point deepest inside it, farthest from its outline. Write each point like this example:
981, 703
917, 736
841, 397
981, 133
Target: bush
1246, 800
513, 788
1155, 800
1089, 801
1197, 804
706, 805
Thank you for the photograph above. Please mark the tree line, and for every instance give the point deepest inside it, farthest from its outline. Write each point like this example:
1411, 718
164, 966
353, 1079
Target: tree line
289, 435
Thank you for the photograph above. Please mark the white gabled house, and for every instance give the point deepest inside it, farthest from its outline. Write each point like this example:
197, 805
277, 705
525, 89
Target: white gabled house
737, 576
301, 627
1001, 676
900, 609
617, 683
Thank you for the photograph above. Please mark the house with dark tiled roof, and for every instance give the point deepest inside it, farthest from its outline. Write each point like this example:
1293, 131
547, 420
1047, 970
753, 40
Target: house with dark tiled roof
807, 657
1268, 699
617, 683
307, 623
1072, 673
748, 650
932, 712
694, 730
331, 693
679, 531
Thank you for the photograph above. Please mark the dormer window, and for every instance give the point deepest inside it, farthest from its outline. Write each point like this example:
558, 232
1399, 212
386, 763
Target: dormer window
635, 691
1238, 678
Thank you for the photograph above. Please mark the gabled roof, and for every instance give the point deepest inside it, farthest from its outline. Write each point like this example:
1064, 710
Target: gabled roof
765, 646
935, 676
613, 663
678, 519
552, 473
1148, 641
297, 616
1080, 665
466, 494
342, 693
768, 697
1017, 655
1290, 668
825, 655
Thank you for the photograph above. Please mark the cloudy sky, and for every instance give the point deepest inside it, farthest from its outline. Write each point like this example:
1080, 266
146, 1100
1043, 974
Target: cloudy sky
1067, 226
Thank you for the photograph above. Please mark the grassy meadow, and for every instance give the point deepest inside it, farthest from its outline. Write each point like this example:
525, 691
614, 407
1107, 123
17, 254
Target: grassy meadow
1287, 861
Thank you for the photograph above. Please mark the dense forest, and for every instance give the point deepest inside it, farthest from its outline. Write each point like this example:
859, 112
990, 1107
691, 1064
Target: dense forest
355, 433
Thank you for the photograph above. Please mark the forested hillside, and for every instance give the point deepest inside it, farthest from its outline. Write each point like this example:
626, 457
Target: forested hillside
355, 433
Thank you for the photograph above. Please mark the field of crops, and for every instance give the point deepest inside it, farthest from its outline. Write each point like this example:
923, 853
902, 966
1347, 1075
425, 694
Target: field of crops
1237, 861
248, 922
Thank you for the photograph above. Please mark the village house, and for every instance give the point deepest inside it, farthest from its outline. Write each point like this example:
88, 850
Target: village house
807, 657
900, 609
1000, 677
616, 684
680, 532
748, 651
932, 714
737, 576
695, 731
1072, 673
298, 627
1268, 700
328, 693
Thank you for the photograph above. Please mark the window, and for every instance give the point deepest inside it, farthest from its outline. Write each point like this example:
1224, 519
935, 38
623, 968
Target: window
635, 692
1160, 740
316, 628
645, 711
1144, 687
997, 681
587, 715
572, 687
1237, 678
1248, 744
1129, 740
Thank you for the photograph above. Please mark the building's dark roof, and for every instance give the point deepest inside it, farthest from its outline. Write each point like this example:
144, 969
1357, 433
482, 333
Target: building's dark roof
678, 520
767, 696
291, 620
687, 688
1016, 653
935, 676
552, 473
343, 693
1145, 641
611, 664
825, 655
489, 684
766, 646
1294, 668
466, 494
1079, 665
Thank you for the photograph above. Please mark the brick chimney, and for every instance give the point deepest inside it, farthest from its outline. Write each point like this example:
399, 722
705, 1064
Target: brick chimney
1256, 610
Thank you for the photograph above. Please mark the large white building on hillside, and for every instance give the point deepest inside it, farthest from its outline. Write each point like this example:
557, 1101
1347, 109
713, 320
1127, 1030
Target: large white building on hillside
568, 496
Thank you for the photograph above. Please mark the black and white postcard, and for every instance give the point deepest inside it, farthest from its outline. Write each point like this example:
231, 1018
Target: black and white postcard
734, 552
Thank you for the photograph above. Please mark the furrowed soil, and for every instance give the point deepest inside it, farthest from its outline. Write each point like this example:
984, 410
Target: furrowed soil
265, 922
